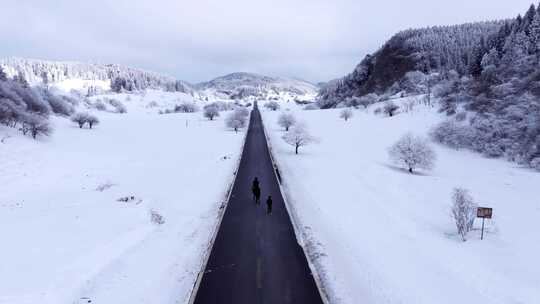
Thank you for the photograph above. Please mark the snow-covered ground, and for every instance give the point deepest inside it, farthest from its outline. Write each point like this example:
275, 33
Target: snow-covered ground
65, 235
381, 235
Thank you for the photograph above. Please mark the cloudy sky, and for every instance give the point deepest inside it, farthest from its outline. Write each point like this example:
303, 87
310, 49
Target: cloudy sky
197, 40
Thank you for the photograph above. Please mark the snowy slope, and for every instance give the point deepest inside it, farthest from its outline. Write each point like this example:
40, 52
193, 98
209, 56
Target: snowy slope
65, 235
80, 75
244, 85
381, 235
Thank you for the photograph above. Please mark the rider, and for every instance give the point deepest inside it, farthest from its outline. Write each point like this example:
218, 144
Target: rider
269, 205
255, 188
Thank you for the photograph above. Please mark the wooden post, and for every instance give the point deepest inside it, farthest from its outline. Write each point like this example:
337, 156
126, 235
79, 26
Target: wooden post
482, 235
484, 212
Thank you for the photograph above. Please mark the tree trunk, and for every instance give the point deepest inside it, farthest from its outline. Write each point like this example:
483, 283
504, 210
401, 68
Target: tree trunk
410, 170
296, 150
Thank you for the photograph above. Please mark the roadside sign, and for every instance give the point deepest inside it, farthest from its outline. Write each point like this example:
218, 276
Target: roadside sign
484, 213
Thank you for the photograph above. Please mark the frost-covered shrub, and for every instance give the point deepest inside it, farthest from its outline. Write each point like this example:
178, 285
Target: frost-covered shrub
378, 111
99, 105
363, 101
390, 108
311, 106
463, 211
221, 105
118, 106
152, 104
452, 134
346, 114
298, 136
104, 186
535, 163
186, 107
461, 116
286, 120
412, 152
59, 104
272, 105
414, 82
211, 112
31, 97
156, 218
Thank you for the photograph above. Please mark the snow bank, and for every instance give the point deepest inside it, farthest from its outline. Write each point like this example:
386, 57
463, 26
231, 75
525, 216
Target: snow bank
65, 234
381, 235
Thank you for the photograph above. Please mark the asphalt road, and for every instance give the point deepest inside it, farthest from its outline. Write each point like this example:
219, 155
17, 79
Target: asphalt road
255, 257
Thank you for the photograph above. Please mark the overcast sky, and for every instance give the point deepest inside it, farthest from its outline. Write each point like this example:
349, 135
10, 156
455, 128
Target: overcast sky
196, 40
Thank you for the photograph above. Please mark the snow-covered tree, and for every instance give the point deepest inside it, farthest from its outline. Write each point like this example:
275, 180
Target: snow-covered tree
36, 125
235, 120
211, 112
463, 211
80, 119
272, 105
186, 107
346, 114
367, 100
390, 108
412, 152
298, 136
92, 120
3, 76
242, 111
286, 120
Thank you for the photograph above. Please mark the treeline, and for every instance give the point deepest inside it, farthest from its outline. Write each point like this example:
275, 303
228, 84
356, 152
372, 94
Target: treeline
497, 105
27, 109
122, 78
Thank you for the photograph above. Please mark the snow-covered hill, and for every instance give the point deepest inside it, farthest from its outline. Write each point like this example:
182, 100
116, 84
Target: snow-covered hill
89, 76
249, 85
95, 78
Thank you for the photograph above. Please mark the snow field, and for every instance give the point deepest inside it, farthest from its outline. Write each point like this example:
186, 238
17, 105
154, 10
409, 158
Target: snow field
385, 236
66, 236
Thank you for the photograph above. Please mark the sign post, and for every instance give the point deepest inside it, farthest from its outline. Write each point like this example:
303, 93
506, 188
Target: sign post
484, 213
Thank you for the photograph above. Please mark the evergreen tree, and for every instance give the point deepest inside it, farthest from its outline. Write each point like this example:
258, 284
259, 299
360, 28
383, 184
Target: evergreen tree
534, 35
3, 76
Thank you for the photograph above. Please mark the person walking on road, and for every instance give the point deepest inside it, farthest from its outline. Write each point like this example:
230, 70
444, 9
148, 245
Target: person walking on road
256, 189
269, 205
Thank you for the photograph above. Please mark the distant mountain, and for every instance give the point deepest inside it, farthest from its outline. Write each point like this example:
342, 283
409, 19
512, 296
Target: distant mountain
93, 76
113, 76
242, 85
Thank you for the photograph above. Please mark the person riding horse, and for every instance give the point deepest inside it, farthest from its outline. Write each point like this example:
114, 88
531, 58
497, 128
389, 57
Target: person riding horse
256, 189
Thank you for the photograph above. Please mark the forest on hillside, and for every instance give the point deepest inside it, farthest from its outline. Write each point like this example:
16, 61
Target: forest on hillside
121, 78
